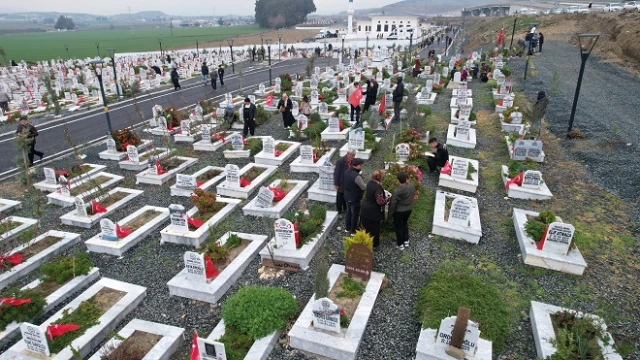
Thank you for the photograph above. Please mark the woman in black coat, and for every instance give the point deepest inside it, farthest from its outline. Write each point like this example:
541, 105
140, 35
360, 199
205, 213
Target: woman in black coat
371, 93
175, 79
372, 208
285, 106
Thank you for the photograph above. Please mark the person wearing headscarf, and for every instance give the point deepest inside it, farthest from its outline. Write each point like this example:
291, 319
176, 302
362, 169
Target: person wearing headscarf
285, 106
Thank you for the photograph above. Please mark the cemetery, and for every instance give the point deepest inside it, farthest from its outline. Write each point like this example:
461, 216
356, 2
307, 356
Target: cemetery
87, 215
116, 239
274, 274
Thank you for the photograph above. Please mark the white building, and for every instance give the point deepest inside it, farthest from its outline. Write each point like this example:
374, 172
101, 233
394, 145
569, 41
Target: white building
386, 25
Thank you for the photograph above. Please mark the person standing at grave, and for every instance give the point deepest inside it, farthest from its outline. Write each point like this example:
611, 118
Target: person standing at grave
372, 211
205, 72
475, 70
214, 79
4, 101
398, 93
253, 53
354, 187
353, 91
342, 165
371, 94
305, 107
439, 155
249, 116
285, 106
464, 74
539, 109
400, 208
29, 132
221, 74
417, 67
540, 42
175, 79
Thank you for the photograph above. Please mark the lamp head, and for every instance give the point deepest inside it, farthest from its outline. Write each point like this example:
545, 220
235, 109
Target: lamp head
587, 43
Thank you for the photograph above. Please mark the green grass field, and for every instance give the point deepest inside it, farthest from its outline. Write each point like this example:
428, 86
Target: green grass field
45, 46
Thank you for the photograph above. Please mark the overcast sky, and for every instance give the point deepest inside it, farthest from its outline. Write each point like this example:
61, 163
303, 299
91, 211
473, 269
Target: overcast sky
174, 7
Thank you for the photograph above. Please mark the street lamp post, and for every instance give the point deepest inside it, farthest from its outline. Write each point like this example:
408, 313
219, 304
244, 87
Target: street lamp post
587, 42
262, 46
446, 45
233, 65
269, 51
513, 32
98, 48
160, 42
279, 42
98, 71
112, 53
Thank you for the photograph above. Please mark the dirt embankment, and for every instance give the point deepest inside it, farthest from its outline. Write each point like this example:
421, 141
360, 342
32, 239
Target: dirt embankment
619, 41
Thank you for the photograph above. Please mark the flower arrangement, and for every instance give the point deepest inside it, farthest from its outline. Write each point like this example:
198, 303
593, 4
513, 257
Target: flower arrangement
390, 182
409, 136
206, 204
125, 137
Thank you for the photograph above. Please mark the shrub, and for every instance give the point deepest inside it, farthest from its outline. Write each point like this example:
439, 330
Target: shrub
26, 312
535, 228
390, 181
361, 237
254, 146
125, 136
216, 252
233, 241
308, 225
205, 202
259, 311
66, 268
261, 115
286, 84
351, 289
237, 345
517, 167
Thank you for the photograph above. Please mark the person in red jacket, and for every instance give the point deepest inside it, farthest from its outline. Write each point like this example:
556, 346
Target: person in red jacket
417, 67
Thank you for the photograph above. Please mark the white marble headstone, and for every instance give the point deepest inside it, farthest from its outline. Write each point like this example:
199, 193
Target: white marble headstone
356, 139
178, 217
81, 208
284, 235
268, 146
194, 264
34, 339
326, 315
108, 230
402, 152
232, 175
532, 179
111, 145
264, 199
471, 336
50, 175
558, 238
185, 182
211, 350
306, 154
460, 169
460, 212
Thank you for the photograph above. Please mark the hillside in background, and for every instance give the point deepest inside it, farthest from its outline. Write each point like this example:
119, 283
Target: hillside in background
423, 7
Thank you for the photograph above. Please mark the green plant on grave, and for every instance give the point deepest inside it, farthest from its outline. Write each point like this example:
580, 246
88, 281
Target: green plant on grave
351, 289
286, 83
259, 311
308, 225
254, 146
66, 268
342, 110
86, 315
321, 277
535, 228
577, 337
237, 345
516, 167
217, 253
471, 170
233, 241
506, 71
360, 237
25, 312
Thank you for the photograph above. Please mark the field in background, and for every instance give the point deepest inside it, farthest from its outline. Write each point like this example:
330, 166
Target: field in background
45, 46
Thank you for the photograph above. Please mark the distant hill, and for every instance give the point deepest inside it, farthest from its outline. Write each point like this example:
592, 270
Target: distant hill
422, 7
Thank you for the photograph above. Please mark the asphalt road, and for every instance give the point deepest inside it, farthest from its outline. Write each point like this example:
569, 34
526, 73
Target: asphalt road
88, 128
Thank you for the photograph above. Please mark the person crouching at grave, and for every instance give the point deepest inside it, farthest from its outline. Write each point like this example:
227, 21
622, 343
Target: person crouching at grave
372, 211
342, 165
400, 207
29, 133
370, 94
438, 155
354, 187
249, 115
417, 67
484, 77
175, 79
397, 96
464, 74
284, 106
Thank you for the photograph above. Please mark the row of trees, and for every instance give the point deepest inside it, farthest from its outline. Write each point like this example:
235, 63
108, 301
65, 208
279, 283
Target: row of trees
64, 23
276, 14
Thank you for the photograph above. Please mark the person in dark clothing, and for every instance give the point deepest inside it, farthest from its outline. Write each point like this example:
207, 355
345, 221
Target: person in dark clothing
539, 109
205, 72
157, 70
249, 115
475, 71
214, 79
343, 164
285, 106
372, 211
417, 67
371, 94
400, 208
175, 79
168, 59
28, 131
221, 74
397, 95
354, 187
253, 53
540, 42
453, 73
440, 155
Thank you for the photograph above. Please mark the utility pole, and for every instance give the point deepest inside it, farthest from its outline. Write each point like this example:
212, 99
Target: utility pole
513, 32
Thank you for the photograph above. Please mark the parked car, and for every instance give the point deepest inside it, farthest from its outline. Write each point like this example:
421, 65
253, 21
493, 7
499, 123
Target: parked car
577, 10
632, 6
612, 7
308, 39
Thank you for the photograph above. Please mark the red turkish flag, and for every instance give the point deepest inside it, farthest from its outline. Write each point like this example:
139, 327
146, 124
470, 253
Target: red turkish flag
446, 169
55, 331
278, 194
244, 182
516, 180
97, 208
211, 270
383, 104
159, 169
501, 36
195, 351
15, 259
14, 302
195, 222
269, 100
355, 97
123, 232
544, 237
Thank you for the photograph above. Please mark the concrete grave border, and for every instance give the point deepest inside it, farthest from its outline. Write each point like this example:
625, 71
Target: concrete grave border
73, 219
147, 177
66, 201
46, 187
461, 184
471, 234
282, 206
176, 191
243, 193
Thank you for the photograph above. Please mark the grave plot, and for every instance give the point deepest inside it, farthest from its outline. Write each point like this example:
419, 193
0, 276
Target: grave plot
165, 170
275, 152
294, 252
230, 255
456, 92
364, 141
464, 113
140, 161
202, 179
112, 300
7, 205
324, 111
545, 241
192, 227
28, 256
333, 326
116, 239
500, 93
117, 146
324, 189
462, 135
504, 104
454, 338
60, 280
511, 121
310, 159
53, 178
166, 122
213, 141
190, 131
460, 174
12, 226
521, 150
426, 96
238, 147
273, 201
460, 100
66, 195
546, 320
86, 215
154, 340
240, 183
336, 131
260, 330
457, 217
524, 182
